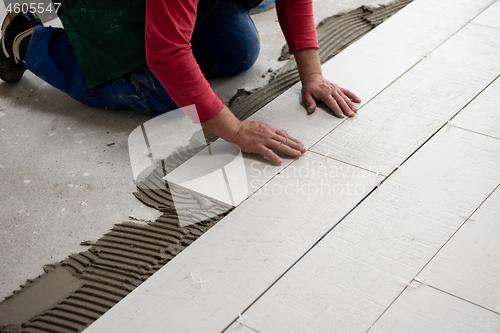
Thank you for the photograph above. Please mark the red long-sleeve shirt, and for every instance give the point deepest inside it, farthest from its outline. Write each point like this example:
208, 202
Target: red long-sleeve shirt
169, 27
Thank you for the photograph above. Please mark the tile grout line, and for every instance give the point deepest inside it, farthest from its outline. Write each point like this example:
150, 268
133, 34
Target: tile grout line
468, 103
475, 97
460, 227
463, 299
404, 289
471, 131
302, 256
343, 162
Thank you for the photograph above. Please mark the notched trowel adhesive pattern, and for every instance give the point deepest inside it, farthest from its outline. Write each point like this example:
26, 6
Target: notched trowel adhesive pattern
89, 283
75, 292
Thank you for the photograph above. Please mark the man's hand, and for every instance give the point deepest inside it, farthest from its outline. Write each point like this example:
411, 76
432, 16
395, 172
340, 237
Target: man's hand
254, 137
316, 88
260, 138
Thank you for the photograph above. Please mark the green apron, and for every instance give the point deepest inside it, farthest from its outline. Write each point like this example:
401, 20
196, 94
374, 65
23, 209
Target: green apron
108, 35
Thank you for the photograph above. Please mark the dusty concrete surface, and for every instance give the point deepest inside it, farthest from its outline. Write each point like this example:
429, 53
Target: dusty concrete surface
65, 177
64, 168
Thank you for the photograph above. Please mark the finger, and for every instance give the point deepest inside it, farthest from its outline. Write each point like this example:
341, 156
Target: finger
347, 107
309, 102
341, 100
294, 143
270, 155
333, 105
353, 107
351, 95
284, 148
284, 134
296, 146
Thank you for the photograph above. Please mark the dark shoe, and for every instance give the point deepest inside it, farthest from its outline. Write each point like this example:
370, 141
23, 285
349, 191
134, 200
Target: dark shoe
17, 29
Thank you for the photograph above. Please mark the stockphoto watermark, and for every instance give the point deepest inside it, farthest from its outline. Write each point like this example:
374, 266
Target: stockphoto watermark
169, 153
45, 9
309, 179
323, 189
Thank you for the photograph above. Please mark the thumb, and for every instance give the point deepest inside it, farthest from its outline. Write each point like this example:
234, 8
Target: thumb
309, 102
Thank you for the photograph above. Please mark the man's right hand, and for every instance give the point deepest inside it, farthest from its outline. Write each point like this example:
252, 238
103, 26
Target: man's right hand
254, 137
260, 138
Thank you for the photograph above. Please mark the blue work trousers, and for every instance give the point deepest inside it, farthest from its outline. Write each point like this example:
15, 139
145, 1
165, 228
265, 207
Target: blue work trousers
226, 42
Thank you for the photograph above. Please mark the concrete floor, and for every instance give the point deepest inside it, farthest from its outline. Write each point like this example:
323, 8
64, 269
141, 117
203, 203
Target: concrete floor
64, 168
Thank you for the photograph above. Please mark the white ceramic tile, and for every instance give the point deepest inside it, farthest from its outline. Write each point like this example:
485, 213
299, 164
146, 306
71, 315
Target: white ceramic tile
377, 59
245, 252
423, 25
393, 125
490, 17
380, 138
425, 309
353, 274
482, 115
366, 68
287, 112
469, 265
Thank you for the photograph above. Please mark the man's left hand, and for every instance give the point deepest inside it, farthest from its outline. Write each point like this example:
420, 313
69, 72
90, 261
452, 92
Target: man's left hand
316, 88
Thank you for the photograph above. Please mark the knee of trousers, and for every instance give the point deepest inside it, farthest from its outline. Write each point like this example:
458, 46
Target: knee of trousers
245, 52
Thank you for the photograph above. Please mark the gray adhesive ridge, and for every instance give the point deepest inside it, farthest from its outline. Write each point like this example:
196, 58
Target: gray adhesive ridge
73, 293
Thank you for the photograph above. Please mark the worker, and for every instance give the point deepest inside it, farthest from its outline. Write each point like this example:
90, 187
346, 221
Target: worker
156, 56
